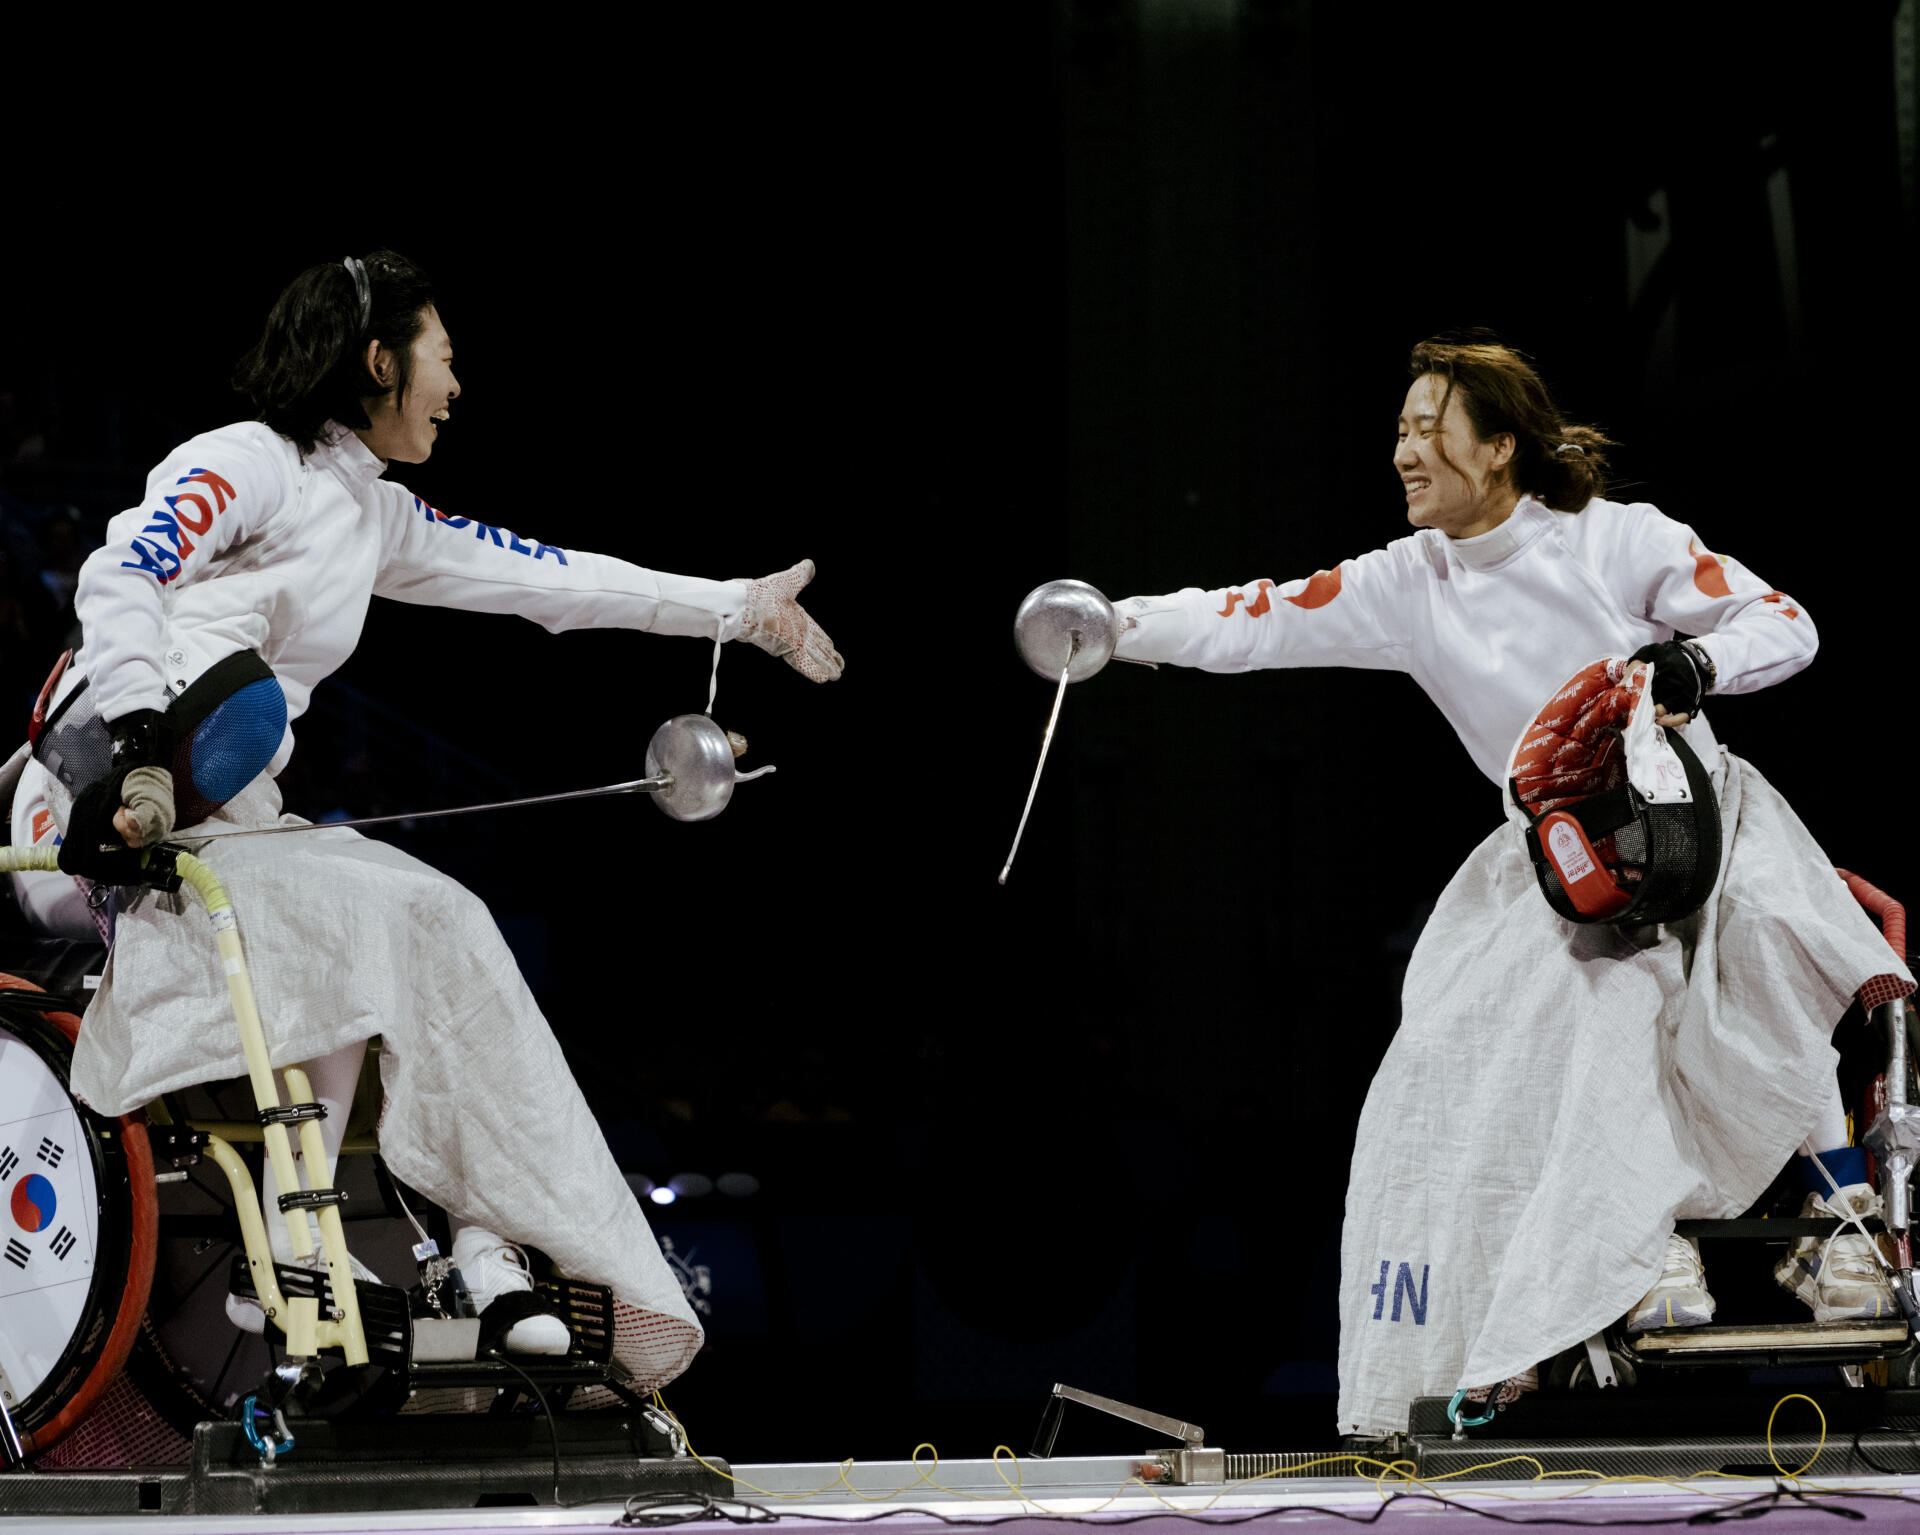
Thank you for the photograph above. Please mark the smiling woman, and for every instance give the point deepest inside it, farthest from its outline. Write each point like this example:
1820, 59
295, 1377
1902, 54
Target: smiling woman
1561, 1092
218, 603
403, 420
1465, 470
360, 343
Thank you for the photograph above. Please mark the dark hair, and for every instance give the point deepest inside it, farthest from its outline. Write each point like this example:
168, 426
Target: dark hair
1563, 465
309, 365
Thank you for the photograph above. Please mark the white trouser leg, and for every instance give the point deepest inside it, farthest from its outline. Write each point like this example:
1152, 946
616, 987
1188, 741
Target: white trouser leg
333, 1079
1831, 1132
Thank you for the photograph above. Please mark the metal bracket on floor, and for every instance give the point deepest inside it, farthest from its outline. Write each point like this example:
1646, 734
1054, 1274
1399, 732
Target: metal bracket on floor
1193, 1464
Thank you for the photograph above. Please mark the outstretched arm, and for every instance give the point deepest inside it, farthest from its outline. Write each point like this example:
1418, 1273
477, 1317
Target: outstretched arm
458, 562
1353, 615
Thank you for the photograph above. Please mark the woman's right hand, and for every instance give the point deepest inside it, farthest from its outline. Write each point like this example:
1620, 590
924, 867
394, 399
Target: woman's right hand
777, 623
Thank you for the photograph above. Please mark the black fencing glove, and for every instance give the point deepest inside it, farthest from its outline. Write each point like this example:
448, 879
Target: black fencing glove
1682, 675
139, 778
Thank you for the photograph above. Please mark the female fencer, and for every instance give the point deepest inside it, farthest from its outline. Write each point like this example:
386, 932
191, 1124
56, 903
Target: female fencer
1558, 1094
213, 611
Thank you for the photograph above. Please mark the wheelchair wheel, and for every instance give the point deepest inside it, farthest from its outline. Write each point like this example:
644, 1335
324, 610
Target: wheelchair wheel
193, 1364
1572, 1370
78, 1226
1901, 1371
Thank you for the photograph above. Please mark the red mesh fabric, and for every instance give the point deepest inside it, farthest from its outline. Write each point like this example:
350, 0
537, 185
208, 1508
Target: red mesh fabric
1883, 989
123, 1430
1892, 916
1509, 1390
655, 1348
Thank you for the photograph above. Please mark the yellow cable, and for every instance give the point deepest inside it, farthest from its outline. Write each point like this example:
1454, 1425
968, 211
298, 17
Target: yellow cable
1389, 1478
1797, 1396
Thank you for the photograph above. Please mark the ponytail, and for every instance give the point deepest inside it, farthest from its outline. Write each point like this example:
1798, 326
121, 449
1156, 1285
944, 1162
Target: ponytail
1570, 472
309, 365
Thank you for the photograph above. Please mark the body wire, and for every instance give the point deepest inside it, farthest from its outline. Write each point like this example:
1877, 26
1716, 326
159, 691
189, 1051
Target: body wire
1045, 741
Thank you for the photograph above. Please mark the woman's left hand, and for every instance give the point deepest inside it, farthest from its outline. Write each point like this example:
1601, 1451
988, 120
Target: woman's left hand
1678, 681
123, 810
1662, 715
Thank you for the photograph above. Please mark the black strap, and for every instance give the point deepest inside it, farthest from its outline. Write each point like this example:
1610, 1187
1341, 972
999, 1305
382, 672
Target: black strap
207, 692
1599, 815
293, 1114
312, 1199
213, 687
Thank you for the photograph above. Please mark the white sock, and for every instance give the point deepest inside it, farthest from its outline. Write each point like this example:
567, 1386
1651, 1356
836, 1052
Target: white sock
1831, 1128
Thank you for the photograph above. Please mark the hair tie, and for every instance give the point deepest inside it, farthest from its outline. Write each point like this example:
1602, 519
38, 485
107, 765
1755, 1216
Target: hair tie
1570, 447
357, 270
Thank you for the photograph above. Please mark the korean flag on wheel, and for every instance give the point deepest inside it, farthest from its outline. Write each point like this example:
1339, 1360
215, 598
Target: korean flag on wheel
47, 1217
47, 1230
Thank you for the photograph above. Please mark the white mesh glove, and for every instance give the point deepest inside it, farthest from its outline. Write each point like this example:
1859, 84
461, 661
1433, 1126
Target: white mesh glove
775, 621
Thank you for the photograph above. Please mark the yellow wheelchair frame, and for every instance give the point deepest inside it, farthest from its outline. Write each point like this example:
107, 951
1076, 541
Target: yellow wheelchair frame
299, 1318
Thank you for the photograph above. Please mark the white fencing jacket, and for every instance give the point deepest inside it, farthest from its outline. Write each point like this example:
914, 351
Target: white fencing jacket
242, 544
1490, 626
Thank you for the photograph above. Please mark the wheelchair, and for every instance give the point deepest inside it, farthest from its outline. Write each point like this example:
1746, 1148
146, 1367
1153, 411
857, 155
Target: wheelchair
1761, 1332
124, 1236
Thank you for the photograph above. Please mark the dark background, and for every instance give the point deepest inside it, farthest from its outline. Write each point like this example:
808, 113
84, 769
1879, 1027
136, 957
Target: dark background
956, 300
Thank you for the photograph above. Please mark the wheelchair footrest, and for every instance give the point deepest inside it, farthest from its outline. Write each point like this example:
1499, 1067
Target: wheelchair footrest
1786, 1229
384, 1313
1772, 1337
548, 1372
587, 1309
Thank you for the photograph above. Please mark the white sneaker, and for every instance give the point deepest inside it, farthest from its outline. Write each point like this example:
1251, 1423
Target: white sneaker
1839, 1277
1679, 1298
493, 1267
248, 1314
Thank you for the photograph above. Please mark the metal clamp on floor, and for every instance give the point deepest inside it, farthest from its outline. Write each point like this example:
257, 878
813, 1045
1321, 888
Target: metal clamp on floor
292, 1114
664, 1426
312, 1199
270, 1449
1462, 1423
